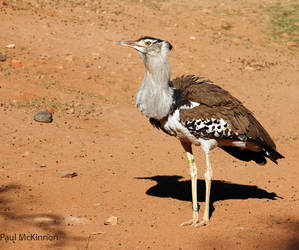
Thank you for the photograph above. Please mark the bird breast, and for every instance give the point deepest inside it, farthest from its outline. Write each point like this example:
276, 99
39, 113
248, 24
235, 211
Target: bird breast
153, 100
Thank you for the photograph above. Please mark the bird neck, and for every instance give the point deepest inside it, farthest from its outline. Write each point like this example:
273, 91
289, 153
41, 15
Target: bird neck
154, 98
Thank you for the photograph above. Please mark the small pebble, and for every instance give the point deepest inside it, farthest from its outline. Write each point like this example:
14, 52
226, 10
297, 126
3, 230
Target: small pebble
68, 175
111, 220
249, 68
10, 46
75, 220
2, 57
192, 38
43, 116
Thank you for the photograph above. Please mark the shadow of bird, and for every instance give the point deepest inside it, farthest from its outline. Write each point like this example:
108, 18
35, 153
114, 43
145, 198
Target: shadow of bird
171, 186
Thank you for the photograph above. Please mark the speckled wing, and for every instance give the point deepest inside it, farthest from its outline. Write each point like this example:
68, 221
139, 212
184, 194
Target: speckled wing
220, 116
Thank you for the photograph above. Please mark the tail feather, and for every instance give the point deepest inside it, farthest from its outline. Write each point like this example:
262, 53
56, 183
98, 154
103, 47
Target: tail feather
258, 157
272, 154
245, 155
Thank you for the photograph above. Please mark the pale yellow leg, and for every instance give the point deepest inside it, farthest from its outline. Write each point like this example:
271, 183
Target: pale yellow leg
193, 174
208, 179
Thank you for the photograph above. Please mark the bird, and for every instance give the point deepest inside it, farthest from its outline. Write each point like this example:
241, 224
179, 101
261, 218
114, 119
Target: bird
197, 112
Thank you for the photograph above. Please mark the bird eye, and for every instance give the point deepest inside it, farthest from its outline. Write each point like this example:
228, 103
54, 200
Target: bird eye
147, 43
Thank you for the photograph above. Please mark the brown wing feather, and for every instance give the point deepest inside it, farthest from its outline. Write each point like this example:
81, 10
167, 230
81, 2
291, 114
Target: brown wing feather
218, 103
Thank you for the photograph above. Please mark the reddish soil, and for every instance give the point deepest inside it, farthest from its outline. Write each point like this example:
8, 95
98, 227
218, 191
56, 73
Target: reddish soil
65, 58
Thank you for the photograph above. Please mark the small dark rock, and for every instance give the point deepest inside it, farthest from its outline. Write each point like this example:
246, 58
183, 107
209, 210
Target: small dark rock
43, 116
2, 57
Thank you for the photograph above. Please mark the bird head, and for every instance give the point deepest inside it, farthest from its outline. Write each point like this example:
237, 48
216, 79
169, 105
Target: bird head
149, 46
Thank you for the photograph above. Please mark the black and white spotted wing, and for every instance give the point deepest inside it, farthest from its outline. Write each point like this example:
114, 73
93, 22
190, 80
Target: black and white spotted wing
212, 129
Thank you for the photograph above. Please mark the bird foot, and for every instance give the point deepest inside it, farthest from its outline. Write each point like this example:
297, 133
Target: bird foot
204, 223
195, 223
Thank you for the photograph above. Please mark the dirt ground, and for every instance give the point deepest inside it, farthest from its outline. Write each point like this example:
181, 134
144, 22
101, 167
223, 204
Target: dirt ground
65, 58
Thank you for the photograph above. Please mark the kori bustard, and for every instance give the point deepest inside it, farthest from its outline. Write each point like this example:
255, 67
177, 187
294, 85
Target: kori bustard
197, 112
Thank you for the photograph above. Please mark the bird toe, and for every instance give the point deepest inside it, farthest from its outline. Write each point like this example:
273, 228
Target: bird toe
203, 223
195, 223
192, 222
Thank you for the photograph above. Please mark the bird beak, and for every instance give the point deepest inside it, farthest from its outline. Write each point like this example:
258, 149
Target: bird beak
131, 44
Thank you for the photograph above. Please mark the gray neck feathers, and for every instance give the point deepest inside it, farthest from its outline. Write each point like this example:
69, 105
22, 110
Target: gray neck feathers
154, 97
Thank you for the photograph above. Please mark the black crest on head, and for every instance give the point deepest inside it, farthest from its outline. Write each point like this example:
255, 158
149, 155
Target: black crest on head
170, 46
150, 38
157, 40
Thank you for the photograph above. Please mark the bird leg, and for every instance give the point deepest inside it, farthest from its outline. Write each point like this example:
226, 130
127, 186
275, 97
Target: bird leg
193, 173
208, 178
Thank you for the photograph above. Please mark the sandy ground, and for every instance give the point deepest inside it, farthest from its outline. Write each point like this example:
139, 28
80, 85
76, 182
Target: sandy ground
65, 58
